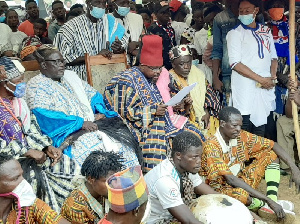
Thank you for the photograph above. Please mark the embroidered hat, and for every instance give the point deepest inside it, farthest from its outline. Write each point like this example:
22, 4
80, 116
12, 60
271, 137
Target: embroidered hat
13, 68
181, 50
151, 52
175, 5
127, 190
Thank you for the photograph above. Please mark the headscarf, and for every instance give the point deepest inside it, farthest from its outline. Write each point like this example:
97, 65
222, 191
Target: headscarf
27, 51
32, 41
178, 51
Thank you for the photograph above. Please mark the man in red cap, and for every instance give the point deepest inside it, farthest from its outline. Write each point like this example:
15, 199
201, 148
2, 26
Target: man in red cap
134, 95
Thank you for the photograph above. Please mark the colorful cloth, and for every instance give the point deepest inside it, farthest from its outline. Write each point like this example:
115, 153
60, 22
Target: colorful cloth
17, 139
82, 207
203, 96
27, 51
38, 213
127, 190
280, 31
80, 35
136, 99
247, 159
32, 40
62, 107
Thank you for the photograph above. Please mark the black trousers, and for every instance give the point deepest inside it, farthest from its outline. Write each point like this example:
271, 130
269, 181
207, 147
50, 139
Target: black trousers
250, 127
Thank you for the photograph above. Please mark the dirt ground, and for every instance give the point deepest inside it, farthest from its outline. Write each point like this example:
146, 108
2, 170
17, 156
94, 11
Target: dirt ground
285, 193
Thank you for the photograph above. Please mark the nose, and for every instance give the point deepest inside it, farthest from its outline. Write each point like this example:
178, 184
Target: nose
187, 65
238, 128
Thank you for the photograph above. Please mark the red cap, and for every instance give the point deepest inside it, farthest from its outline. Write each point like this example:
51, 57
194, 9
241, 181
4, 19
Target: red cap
151, 53
175, 5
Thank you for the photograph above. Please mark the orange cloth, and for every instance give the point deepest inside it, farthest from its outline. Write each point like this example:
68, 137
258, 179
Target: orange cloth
27, 28
104, 221
250, 147
39, 212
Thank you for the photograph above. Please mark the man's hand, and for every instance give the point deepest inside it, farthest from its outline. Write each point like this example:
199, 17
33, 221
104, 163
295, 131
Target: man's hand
54, 153
38, 156
188, 104
161, 110
178, 107
296, 179
277, 209
205, 119
106, 53
132, 46
89, 126
99, 117
294, 93
267, 82
217, 84
116, 46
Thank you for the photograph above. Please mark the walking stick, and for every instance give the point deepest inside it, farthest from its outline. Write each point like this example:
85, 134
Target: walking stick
293, 69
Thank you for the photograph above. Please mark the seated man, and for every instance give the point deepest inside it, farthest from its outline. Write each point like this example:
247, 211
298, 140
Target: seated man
173, 182
87, 202
17, 199
205, 105
21, 137
135, 96
235, 161
127, 197
73, 114
285, 126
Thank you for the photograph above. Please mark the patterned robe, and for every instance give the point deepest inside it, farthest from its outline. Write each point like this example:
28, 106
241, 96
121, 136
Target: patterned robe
252, 152
17, 140
136, 100
38, 213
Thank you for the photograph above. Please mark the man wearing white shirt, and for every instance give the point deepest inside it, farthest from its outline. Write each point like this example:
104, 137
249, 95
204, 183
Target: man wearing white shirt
253, 59
173, 182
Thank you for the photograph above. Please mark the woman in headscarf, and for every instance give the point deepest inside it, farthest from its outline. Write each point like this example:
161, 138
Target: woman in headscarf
73, 114
22, 137
205, 104
29, 45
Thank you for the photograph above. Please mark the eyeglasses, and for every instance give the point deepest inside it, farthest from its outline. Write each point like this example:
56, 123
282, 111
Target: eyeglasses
154, 69
57, 61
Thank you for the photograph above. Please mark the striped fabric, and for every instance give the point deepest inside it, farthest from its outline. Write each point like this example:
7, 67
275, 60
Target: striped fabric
39, 213
136, 99
251, 149
80, 35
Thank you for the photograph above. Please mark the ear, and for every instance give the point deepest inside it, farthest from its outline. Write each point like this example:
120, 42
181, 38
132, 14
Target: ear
43, 65
222, 123
90, 180
178, 155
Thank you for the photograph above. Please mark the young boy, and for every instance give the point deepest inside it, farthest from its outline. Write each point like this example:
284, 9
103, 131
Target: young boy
40, 27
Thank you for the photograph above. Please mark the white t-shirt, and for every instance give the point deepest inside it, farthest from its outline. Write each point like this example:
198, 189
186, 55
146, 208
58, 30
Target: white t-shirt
164, 190
254, 48
178, 28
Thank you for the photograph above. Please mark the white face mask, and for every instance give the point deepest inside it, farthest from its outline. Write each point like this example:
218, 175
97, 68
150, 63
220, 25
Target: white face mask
25, 194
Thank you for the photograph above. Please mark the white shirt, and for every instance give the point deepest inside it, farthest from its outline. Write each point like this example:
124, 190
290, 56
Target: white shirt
178, 28
254, 48
164, 190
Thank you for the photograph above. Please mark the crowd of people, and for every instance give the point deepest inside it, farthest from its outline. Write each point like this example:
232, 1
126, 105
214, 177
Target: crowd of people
72, 154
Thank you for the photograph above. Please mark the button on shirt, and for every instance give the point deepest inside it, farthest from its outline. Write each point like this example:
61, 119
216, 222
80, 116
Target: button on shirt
163, 184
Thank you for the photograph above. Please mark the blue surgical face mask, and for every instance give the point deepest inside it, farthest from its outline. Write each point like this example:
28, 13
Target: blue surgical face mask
246, 19
195, 62
123, 11
19, 91
2, 19
97, 12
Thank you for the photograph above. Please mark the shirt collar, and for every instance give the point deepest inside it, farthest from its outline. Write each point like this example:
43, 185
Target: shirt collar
225, 148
